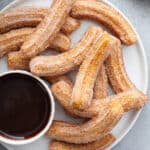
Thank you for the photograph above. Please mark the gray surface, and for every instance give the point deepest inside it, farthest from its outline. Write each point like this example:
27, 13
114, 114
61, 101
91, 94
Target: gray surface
3, 3
138, 11
2, 147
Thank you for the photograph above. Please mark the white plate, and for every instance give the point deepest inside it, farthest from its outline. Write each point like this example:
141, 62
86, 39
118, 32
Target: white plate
136, 65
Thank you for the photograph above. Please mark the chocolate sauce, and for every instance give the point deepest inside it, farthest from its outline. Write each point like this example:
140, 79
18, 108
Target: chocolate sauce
24, 106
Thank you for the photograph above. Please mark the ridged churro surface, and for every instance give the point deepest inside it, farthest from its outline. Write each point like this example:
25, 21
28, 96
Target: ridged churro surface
130, 99
101, 84
62, 90
65, 62
101, 144
30, 17
56, 79
116, 71
106, 15
70, 25
83, 89
89, 131
12, 41
16, 60
48, 29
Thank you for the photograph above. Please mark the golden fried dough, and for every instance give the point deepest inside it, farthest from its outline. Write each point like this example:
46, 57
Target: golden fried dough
130, 99
101, 144
16, 60
89, 131
48, 29
83, 89
30, 17
116, 71
105, 14
13, 40
67, 61
101, 84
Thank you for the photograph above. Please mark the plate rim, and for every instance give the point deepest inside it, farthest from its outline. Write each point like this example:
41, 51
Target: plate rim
145, 62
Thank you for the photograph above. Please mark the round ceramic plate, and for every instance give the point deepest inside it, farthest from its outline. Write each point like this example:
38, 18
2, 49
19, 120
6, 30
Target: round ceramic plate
136, 65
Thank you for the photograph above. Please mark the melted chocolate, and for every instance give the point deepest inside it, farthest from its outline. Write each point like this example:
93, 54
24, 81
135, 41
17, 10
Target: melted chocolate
24, 106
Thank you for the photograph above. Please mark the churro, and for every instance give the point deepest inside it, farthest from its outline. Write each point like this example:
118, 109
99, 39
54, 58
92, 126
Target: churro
70, 25
61, 43
89, 131
13, 40
116, 71
83, 89
101, 144
56, 79
101, 84
130, 99
47, 29
67, 61
98, 54
16, 60
30, 17
62, 90
105, 14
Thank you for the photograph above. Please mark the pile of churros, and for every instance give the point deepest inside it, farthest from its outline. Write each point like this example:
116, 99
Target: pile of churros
27, 32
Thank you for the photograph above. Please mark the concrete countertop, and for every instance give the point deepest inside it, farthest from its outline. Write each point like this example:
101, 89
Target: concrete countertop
138, 12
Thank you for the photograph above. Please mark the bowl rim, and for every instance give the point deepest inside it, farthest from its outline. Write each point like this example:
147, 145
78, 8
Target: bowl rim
51, 117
